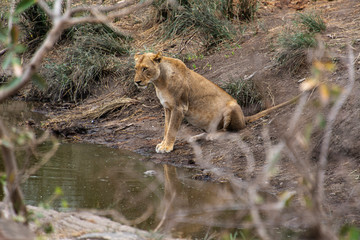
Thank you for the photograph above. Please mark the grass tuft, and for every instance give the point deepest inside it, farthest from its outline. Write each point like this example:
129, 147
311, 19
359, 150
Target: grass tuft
294, 41
244, 91
94, 54
35, 25
311, 21
198, 15
243, 10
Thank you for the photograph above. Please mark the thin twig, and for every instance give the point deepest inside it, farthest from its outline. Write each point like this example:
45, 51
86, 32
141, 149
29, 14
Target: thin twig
102, 8
12, 175
44, 160
330, 123
44, 6
119, 14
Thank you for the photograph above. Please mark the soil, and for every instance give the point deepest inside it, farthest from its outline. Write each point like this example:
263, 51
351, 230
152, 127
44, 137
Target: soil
138, 126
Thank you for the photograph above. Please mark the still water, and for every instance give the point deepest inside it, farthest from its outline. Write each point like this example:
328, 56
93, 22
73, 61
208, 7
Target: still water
97, 177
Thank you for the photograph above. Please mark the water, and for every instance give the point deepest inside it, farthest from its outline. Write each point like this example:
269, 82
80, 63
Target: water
16, 113
85, 174
97, 177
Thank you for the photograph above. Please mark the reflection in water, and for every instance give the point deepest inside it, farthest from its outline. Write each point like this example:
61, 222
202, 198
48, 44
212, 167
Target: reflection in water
97, 177
192, 207
16, 112
81, 171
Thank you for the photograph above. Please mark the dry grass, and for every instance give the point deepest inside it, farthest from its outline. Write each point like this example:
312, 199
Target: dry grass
296, 39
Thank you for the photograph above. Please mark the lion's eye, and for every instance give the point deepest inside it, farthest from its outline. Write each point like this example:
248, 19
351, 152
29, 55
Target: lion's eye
144, 69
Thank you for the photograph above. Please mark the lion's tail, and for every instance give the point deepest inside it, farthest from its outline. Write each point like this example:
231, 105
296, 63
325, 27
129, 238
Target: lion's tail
261, 114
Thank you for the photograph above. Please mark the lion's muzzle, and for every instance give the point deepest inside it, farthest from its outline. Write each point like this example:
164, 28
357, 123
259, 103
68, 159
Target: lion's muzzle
140, 85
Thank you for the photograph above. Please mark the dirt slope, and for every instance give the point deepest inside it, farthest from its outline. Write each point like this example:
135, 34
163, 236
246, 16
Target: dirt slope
138, 127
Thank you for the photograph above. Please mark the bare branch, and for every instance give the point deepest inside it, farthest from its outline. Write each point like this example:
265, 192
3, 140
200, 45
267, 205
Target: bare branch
45, 7
68, 4
330, 123
11, 170
254, 211
101, 8
119, 14
44, 159
105, 20
57, 8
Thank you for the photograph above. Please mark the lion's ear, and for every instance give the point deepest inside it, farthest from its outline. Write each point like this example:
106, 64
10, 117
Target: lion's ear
157, 58
137, 56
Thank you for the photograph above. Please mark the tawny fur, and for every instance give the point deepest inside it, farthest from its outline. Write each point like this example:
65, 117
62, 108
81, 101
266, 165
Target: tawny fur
186, 94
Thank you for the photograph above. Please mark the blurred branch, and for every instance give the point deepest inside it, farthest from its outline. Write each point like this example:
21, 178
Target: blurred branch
330, 120
44, 159
102, 8
45, 7
12, 182
119, 14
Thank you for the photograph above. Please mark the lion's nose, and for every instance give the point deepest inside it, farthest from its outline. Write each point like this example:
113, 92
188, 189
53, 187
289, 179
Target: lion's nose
137, 82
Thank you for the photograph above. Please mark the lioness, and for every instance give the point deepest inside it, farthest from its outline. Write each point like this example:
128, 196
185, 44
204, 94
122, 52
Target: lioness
186, 94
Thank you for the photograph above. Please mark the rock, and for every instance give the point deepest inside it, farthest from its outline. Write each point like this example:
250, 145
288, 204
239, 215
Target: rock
85, 225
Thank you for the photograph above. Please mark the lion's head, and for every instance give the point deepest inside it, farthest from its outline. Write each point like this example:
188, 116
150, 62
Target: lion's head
147, 68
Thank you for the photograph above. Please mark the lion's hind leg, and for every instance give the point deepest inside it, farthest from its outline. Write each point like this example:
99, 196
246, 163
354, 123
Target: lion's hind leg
234, 120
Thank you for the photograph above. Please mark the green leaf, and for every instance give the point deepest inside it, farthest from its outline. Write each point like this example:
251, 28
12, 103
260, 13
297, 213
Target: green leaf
48, 228
354, 234
7, 60
64, 203
3, 34
58, 191
349, 232
14, 82
308, 132
3, 179
6, 143
320, 119
16, 60
39, 81
23, 5
19, 48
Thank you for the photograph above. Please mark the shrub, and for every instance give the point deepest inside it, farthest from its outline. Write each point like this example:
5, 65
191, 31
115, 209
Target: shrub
295, 40
35, 25
94, 54
244, 91
240, 9
201, 15
311, 21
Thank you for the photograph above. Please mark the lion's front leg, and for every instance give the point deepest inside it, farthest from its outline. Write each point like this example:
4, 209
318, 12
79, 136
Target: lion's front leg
173, 121
167, 120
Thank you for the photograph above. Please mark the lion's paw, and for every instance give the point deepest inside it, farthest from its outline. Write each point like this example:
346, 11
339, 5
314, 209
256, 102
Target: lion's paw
163, 148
